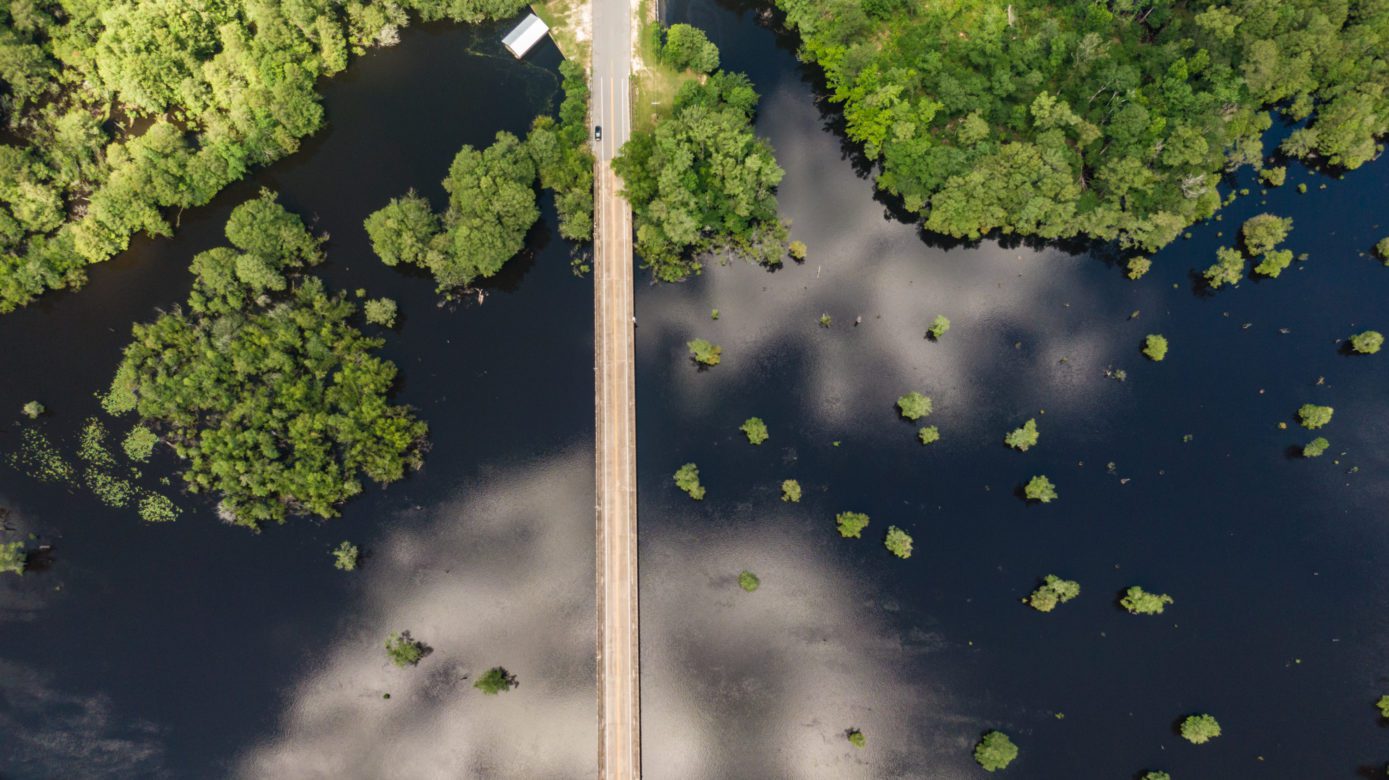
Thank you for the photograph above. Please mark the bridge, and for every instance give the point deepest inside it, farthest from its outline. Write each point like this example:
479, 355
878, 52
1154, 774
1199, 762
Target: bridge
619, 680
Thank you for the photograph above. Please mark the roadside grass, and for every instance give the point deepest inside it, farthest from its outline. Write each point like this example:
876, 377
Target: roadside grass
654, 83
566, 18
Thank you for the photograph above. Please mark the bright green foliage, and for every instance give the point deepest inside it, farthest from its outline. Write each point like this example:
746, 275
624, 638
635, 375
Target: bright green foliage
1023, 438
345, 556
1274, 262
404, 650
755, 430
12, 558
914, 406
225, 87
687, 479
380, 311
1382, 249
826, 320
564, 158
851, 524
1274, 177
1200, 729
1138, 266
797, 250
494, 681
898, 542
33, 410
1265, 232
1313, 417
705, 352
688, 48
748, 581
1367, 343
1039, 488
1155, 347
1140, 602
139, 443
1315, 447
491, 206
1156, 776
702, 182
995, 751
1114, 120
1228, 268
939, 326
928, 435
1383, 705
790, 491
158, 508
857, 739
265, 389
1051, 592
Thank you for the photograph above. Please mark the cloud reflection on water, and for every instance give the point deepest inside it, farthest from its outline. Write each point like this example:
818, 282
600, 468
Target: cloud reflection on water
501, 575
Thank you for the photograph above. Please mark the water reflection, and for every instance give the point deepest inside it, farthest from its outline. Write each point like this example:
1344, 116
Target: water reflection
489, 578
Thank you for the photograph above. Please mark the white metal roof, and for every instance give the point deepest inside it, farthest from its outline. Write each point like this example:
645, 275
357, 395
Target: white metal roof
527, 34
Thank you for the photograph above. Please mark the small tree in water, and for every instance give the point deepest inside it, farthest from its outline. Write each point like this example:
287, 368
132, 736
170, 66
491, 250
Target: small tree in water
748, 581
1039, 488
1383, 705
139, 443
790, 491
33, 410
1023, 438
381, 311
1156, 776
939, 326
1313, 417
12, 558
1140, 602
857, 739
899, 542
797, 250
687, 479
914, 406
929, 435
705, 352
1367, 343
1051, 592
1200, 729
495, 681
345, 556
1228, 268
755, 430
1382, 249
995, 751
851, 524
1155, 347
1315, 447
1265, 232
404, 650
1138, 266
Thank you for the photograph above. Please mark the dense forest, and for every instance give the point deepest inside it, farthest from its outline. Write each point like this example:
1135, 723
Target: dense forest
492, 198
262, 384
1112, 120
120, 112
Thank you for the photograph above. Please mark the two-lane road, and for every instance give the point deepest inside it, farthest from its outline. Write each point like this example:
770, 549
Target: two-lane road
619, 684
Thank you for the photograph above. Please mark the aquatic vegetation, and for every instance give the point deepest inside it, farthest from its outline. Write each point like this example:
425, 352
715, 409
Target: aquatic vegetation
1039, 488
995, 751
1382, 249
12, 558
1383, 705
755, 430
1274, 176
158, 508
1274, 263
1156, 776
1367, 343
1228, 268
702, 182
1140, 602
380, 311
1315, 447
139, 443
1313, 417
913, 406
898, 542
704, 352
1155, 347
495, 680
345, 556
1200, 729
797, 250
1138, 266
826, 320
791, 491
851, 524
928, 435
38, 458
1051, 592
856, 738
110, 489
404, 650
271, 396
687, 479
33, 410
1024, 438
748, 581
1264, 232
938, 328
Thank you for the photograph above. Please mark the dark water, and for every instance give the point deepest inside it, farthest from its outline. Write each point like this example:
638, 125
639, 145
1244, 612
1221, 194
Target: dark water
195, 649
1275, 562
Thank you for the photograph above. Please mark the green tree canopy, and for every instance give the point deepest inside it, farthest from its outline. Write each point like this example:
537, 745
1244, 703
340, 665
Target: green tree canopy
755, 430
1051, 592
687, 479
1200, 729
851, 524
995, 751
1315, 447
12, 558
748, 581
494, 681
1313, 417
688, 48
913, 406
1155, 347
790, 491
898, 542
1140, 602
1039, 488
1367, 343
1024, 438
705, 352
404, 650
1265, 232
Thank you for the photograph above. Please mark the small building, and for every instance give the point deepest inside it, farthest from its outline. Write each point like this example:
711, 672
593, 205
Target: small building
527, 34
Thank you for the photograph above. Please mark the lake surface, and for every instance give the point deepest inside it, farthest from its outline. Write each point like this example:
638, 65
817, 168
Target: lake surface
1275, 562
196, 649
